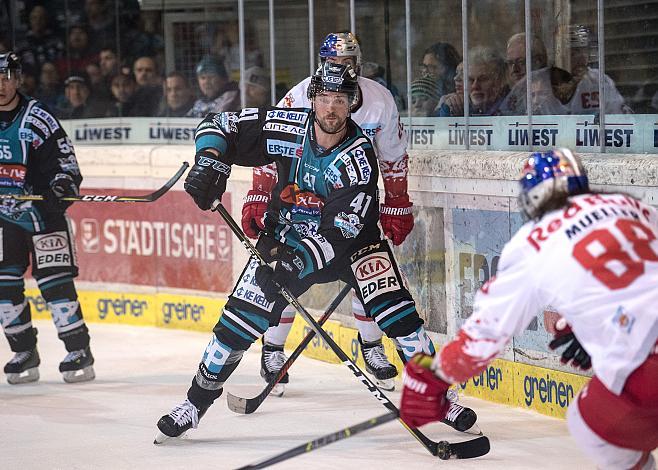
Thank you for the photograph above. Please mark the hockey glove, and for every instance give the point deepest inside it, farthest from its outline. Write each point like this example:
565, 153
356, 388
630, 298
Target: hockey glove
253, 212
62, 185
396, 218
424, 394
288, 267
206, 181
574, 352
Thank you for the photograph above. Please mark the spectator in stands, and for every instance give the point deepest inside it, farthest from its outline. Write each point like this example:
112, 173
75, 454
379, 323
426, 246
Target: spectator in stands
439, 63
452, 104
100, 91
108, 62
149, 87
50, 91
29, 81
585, 99
551, 87
225, 46
218, 93
257, 87
487, 82
79, 53
140, 36
100, 20
79, 104
123, 91
40, 44
645, 100
424, 97
178, 96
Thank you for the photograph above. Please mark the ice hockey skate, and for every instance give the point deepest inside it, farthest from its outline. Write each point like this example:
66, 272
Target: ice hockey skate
179, 420
23, 367
460, 417
271, 360
377, 364
77, 366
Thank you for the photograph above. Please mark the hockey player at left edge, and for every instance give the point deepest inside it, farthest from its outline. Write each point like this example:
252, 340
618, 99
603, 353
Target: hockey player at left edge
320, 226
37, 157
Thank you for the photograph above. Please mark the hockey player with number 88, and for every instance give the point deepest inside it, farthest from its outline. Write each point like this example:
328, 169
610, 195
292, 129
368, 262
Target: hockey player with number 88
594, 258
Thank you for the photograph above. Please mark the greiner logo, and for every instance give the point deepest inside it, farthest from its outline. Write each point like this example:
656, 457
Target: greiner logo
372, 267
182, 311
121, 306
548, 390
52, 242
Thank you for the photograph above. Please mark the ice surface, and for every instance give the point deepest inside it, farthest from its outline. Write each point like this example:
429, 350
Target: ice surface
142, 372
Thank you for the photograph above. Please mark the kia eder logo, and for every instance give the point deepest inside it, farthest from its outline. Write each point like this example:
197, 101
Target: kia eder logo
51, 243
372, 267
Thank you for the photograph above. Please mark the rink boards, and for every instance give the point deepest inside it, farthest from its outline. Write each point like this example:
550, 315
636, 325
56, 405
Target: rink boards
535, 388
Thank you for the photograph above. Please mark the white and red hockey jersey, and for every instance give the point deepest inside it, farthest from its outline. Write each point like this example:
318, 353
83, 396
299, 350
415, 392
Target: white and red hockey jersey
596, 263
378, 116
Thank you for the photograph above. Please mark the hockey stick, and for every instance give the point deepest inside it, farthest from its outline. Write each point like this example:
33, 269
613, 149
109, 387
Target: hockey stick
322, 441
479, 446
107, 197
249, 405
446, 450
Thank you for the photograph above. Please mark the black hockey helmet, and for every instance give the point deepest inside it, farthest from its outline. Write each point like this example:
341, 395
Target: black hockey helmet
10, 63
339, 78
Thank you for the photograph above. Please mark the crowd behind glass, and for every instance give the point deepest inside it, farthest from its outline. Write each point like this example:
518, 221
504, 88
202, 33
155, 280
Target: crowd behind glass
77, 61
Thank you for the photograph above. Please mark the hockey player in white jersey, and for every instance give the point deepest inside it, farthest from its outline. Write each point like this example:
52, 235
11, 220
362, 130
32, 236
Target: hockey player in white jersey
376, 113
594, 258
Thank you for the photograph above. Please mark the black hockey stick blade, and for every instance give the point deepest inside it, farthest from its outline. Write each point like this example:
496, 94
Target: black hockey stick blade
107, 197
464, 450
322, 441
249, 405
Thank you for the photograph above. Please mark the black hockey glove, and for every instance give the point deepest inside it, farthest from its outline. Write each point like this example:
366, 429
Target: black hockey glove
574, 351
288, 267
62, 185
206, 181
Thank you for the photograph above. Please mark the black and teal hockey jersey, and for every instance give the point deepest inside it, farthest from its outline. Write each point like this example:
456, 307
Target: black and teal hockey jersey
325, 204
33, 150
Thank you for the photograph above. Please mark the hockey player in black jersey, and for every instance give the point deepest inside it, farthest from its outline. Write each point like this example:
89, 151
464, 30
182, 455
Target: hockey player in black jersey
321, 226
37, 157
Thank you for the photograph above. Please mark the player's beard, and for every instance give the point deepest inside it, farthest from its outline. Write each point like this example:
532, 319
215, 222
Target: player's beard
328, 127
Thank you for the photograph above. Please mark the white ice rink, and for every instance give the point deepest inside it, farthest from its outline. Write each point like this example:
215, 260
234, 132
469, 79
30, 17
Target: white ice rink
141, 372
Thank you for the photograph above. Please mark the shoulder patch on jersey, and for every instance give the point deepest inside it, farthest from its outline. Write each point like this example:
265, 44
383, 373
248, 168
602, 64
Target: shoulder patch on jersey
46, 117
349, 224
39, 124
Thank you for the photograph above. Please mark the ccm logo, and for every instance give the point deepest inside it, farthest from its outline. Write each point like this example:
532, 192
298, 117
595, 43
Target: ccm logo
372, 267
51, 243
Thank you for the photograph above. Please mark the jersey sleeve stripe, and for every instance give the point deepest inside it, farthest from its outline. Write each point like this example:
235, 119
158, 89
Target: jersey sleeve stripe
211, 140
314, 254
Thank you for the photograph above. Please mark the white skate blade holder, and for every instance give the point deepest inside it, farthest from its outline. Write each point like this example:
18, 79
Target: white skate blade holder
385, 384
81, 375
28, 375
278, 390
161, 437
